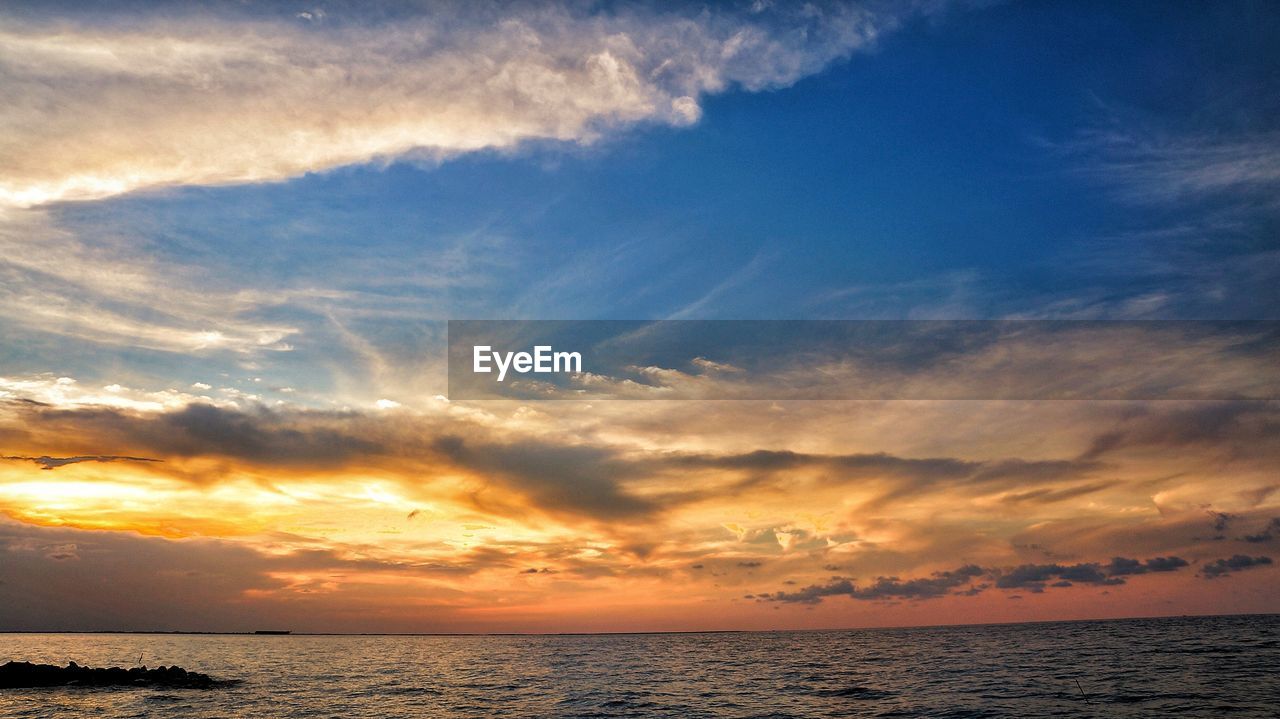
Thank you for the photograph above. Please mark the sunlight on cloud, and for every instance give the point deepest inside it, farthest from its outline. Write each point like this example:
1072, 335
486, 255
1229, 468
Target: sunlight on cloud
66, 392
510, 511
93, 113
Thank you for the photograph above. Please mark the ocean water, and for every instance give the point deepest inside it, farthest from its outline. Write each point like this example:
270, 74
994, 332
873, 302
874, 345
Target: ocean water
1191, 667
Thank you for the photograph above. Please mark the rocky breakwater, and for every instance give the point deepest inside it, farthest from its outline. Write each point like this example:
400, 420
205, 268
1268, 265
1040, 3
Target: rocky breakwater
15, 675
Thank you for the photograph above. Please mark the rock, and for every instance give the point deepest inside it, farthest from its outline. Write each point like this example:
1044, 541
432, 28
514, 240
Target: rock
25, 674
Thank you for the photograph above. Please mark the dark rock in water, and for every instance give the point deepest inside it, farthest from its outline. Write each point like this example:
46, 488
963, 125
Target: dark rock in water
25, 674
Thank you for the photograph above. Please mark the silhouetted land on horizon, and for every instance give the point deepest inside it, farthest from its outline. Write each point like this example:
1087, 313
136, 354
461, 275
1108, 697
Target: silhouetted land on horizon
23, 675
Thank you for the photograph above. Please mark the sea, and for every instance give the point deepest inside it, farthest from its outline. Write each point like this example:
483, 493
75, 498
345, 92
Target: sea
1175, 667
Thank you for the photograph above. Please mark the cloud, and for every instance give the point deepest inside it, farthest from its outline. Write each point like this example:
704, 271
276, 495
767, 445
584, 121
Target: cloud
1165, 564
1245, 428
202, 97
877, 464
583, 480
524, 474
102, 288
528, 462
1235, 563
47, 462
1033, 577
1121, 566
1206, 190
596, 494
814, 593
503, 488
897, 477
255, 435
936, 585
1152, 167
1012, 359
1046, 495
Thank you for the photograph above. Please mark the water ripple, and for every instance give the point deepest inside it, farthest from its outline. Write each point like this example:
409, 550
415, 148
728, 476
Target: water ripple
1193, 667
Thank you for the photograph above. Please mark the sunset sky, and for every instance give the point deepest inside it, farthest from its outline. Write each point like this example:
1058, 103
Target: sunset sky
231, 235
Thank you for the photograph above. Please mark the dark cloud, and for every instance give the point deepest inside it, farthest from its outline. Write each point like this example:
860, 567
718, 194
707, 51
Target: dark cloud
1222, 567
814, 593
936, 585
47, 462
1121, 566
575, 479
1032, 577
557, 478
259, 435
1165, 564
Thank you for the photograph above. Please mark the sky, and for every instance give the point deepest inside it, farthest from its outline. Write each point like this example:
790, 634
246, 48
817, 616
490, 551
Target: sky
231, 236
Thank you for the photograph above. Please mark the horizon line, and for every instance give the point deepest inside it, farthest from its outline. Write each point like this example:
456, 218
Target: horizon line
290, 633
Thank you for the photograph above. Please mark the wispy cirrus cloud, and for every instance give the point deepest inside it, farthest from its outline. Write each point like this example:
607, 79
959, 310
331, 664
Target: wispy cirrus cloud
1197, 195
1173, 167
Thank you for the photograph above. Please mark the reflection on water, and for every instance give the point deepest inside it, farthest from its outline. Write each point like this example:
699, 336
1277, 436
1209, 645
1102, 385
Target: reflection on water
1203, 667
